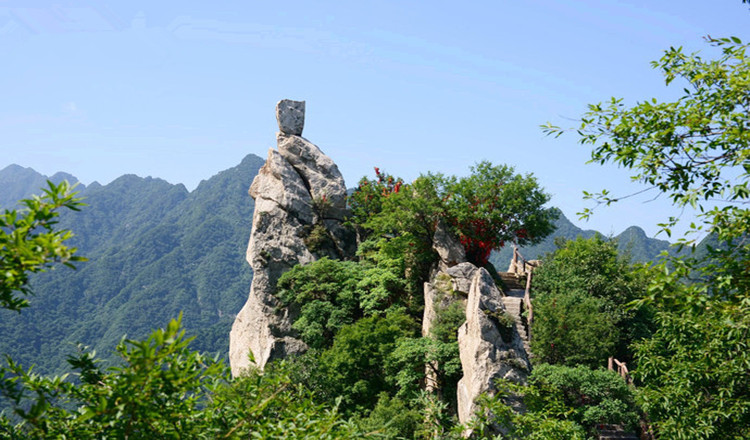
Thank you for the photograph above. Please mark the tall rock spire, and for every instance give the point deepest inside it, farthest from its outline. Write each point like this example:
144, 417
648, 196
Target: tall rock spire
299, 190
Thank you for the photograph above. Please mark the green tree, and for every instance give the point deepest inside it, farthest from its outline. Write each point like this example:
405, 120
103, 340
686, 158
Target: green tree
582, 294
489, 207
29, 242
572, 328
696, 150
560, 403
492, 206
327, 295
359, 366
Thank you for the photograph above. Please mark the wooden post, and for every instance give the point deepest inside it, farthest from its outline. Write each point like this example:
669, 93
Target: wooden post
527, 302
610, 364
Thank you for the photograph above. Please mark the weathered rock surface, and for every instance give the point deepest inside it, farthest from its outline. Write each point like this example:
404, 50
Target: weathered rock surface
291, 116
490, 345
287, 191
462, 276
489, 348
443, 289
450, 250
320, 174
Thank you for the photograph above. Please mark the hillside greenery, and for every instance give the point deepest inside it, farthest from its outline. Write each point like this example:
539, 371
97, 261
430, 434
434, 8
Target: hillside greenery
154, 246
154, 250
680, 322
582, 296
159, 387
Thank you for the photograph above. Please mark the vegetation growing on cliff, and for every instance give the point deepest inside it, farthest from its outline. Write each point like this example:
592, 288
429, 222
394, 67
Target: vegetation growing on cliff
362, 320
582, 296
486, 209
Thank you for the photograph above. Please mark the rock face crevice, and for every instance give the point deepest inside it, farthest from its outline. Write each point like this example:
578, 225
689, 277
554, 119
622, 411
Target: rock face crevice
299, 191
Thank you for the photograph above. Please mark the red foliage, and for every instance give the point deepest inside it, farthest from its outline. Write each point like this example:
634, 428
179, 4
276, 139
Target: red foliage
478, 236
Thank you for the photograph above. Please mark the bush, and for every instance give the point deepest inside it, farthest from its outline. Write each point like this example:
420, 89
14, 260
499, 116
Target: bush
572, 328
360, 365
585, 396
327, 295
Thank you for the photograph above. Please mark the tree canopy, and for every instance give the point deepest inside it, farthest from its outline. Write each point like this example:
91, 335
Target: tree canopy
582, 294
486, 209
695, 383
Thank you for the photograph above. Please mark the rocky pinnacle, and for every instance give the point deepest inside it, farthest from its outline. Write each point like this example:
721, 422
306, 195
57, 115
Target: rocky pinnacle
291, 116
299, 189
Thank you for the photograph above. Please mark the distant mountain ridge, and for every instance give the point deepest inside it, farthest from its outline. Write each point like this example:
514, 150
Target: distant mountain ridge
155, 250
632, 242
18, 182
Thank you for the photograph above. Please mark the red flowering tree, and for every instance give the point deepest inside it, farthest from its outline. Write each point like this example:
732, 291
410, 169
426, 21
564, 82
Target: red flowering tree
367, 199
493, 206
488, 208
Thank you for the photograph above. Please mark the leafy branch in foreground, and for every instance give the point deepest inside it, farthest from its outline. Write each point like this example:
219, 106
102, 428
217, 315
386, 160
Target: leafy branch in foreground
696, 151
165, 390
29, 243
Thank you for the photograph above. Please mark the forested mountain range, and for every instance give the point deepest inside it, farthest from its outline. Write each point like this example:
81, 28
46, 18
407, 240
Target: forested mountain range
633, 243
155, 250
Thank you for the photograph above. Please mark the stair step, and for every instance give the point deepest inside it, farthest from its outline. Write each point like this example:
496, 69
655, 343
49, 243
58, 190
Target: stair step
511, 281
614, 432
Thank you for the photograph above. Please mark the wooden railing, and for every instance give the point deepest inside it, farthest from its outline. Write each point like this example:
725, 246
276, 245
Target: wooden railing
622, 369
527, 269
527, 266
647, 430
527, 302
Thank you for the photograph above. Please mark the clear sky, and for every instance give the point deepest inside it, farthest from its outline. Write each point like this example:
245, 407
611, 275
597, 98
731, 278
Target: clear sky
184, 89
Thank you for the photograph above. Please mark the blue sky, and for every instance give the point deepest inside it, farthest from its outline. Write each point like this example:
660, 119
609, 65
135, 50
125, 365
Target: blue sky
183, 90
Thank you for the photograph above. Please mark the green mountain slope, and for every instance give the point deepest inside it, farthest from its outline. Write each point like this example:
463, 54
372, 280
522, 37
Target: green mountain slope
155, 250
18, 182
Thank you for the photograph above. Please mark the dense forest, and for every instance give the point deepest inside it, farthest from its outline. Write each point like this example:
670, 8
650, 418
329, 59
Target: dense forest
680, 323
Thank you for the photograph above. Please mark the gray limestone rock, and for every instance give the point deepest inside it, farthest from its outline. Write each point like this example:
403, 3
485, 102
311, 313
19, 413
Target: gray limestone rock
450, 250
320, 174
489, 348
462, 276
327, 189
283, 207
291, 116
287, 193
438, 294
